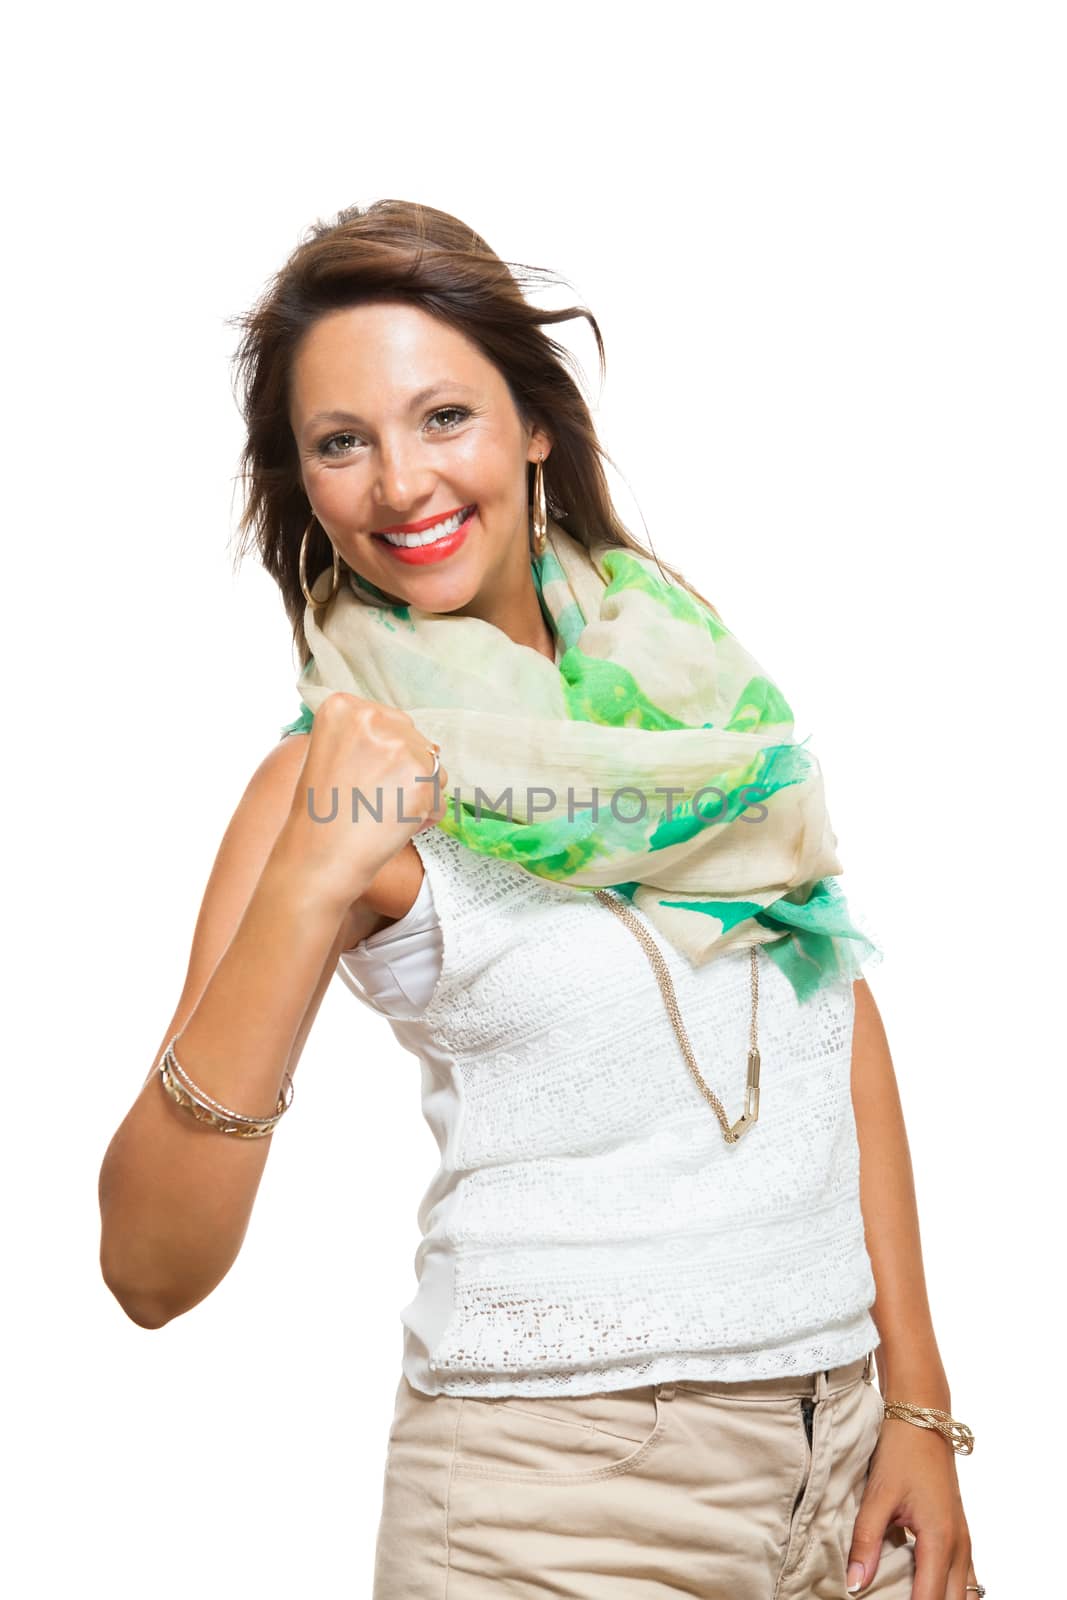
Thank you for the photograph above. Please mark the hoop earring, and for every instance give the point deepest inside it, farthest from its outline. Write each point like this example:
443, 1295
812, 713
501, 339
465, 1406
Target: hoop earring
540, 511
304, 569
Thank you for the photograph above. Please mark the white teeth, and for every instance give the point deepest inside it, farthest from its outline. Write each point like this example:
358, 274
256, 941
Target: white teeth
429, 535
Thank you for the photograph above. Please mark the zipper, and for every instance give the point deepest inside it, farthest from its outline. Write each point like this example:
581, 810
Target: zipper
807, 1409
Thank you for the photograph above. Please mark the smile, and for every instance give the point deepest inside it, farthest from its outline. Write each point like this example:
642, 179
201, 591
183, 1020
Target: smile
433, 541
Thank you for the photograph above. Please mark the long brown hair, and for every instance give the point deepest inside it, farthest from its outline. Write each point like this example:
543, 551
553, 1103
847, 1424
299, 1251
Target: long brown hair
400, 250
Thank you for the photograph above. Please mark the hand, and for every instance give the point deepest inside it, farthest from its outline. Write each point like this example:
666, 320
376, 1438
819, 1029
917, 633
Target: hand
912, 1483
342, 839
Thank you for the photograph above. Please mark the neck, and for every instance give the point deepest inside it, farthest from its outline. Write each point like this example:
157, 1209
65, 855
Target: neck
514, 607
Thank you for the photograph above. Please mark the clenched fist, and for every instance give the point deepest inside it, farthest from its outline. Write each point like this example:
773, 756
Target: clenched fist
364, 791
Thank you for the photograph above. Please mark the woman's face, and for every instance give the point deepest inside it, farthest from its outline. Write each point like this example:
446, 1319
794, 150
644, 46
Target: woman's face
399, 419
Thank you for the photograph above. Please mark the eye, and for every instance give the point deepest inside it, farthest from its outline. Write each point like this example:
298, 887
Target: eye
459, 413
452, 411
324, 444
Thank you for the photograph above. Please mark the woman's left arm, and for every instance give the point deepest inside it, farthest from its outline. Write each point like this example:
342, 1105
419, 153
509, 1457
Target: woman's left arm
912, 1480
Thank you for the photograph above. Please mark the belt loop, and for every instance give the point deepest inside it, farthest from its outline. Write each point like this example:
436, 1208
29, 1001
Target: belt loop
665, 1391
822, 1387
868, 1367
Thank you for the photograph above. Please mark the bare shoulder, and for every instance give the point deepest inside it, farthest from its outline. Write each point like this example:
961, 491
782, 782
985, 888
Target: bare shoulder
244, 850
283, 764
264, 807
242, 854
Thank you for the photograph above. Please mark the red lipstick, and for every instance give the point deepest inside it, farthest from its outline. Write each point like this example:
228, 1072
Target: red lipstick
427, 522
421, 555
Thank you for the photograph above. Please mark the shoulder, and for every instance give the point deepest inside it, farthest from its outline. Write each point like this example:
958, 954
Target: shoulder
268, 795
257, 819
282, 760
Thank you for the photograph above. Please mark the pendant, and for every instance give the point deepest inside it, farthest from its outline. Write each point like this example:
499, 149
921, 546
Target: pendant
751, 1111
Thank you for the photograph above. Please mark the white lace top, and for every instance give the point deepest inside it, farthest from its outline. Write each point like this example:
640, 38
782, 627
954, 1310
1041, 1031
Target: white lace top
588, 1228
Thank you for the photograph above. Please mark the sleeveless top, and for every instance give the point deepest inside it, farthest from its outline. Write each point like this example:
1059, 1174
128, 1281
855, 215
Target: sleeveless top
588, 1228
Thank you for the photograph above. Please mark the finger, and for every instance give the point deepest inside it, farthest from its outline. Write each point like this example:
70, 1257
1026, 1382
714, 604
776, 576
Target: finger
439, 809
435, 759
934, 1556
867, 1535
955, 1587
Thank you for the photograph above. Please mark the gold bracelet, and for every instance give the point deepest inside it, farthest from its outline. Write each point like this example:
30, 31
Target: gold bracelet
192, 1098
958, 1434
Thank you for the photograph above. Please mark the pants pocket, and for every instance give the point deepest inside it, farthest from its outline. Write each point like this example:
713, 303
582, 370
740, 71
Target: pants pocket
570, 1439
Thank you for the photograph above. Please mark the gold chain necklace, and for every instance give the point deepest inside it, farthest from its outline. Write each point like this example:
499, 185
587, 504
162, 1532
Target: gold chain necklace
730, 1133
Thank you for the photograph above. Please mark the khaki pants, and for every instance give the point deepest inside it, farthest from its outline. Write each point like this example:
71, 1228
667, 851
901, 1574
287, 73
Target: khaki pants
671, 1489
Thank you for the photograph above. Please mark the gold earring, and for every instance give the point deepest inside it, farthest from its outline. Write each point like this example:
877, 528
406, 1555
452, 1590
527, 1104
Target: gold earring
540, 511
304, 569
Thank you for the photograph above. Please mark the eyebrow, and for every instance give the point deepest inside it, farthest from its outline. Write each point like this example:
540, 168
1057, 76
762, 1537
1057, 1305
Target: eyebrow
416, 400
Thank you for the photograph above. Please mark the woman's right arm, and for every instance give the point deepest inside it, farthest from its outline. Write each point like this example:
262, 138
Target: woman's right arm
281, 903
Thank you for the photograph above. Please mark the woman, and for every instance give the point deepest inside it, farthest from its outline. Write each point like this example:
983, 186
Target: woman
544, 812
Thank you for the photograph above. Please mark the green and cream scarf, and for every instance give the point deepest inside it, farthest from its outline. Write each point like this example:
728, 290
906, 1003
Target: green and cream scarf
708, 817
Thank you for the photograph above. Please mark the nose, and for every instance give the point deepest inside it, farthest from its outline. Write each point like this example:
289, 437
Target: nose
404, 479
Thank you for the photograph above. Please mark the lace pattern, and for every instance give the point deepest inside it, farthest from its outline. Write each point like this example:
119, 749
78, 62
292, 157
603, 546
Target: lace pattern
588, 1228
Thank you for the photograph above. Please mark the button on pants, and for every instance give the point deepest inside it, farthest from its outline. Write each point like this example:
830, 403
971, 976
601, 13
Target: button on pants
706, 1489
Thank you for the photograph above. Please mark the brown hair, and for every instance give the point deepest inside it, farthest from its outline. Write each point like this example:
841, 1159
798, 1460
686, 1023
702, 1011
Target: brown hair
399, 250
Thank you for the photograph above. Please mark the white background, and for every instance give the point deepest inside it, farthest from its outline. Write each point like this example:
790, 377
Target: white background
825, 244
